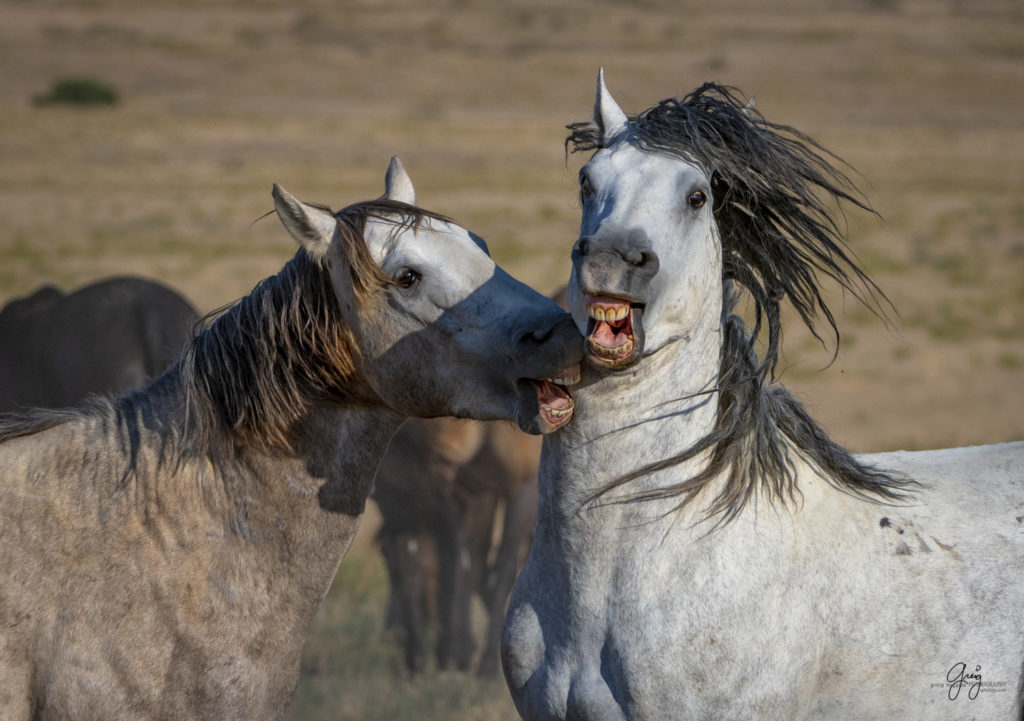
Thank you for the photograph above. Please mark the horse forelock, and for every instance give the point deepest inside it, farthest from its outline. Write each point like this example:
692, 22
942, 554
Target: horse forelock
776, 192
367, 275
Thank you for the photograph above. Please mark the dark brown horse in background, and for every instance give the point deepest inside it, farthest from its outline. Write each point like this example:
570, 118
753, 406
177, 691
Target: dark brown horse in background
458, 503
107, 338
458, 500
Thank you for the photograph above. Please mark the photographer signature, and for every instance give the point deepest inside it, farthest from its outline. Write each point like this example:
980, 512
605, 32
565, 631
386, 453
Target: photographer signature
958, 677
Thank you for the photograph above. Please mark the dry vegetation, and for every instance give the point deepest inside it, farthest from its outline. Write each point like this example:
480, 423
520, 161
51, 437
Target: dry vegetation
220, 100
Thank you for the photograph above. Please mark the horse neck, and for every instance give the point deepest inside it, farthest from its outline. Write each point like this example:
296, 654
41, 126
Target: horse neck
274, 512
622, 421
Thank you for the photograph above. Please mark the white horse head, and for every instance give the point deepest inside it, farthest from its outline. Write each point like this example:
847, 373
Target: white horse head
647, 265
465, 338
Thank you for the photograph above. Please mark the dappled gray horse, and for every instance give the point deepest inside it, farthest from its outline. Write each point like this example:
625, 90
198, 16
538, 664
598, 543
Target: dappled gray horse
163, 554
109, 337
703, 549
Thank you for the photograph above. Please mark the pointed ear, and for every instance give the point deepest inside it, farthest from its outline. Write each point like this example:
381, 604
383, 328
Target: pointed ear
312, 226
607, 113
398, 185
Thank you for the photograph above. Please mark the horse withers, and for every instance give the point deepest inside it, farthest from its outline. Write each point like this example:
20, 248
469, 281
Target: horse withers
703, 549
163, 554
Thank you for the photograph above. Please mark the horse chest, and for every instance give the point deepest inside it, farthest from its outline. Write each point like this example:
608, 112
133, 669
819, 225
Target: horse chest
636, 623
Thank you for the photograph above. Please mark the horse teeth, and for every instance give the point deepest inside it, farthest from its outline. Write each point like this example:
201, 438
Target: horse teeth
619, 350
608, 314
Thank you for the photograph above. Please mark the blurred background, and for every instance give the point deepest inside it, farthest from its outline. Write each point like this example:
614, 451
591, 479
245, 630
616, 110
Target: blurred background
201, 106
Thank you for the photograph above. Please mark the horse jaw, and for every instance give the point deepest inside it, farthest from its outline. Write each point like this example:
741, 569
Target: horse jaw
522, 378
397, 183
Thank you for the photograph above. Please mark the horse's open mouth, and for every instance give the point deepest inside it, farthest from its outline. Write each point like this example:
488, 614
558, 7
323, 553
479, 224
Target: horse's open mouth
553, 400
614, 334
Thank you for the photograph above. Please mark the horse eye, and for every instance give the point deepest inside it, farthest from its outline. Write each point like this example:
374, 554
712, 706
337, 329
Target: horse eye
696, 199
407, 278
586, 189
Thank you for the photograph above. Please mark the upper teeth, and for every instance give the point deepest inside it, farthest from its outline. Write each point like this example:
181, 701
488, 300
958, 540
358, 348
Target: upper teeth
608, 313
566, 379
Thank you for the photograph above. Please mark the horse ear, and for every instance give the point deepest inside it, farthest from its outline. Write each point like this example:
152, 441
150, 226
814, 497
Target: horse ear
397, 183
312, 226
607, 113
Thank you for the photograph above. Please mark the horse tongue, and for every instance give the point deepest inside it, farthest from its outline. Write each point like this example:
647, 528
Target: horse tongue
608, 336
552, 396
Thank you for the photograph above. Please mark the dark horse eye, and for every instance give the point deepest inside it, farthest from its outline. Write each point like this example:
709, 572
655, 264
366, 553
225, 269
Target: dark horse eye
696, 199
586, 189
407, 278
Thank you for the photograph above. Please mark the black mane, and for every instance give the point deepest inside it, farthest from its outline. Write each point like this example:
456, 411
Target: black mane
775, 192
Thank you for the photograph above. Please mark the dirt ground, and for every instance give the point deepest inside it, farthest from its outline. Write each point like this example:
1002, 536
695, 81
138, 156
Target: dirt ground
220, 100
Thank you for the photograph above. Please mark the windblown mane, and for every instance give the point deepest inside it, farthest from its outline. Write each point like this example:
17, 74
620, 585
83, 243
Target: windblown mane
258, 366
775, 190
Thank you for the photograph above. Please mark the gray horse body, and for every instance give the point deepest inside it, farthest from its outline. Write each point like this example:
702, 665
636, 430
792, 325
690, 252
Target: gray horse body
108, 338
149, 583
163, 554
703, 549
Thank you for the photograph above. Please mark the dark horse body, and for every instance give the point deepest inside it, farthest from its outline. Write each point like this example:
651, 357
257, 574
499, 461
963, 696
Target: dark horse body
108, 338
459, 502
162, 555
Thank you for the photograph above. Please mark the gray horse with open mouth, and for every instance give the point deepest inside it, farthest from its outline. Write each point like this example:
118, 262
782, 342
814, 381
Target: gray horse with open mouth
704, 550
162, 554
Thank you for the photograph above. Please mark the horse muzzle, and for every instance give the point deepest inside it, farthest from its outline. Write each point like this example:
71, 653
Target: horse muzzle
615, 275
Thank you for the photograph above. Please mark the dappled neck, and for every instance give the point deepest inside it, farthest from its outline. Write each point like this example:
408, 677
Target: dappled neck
661, 406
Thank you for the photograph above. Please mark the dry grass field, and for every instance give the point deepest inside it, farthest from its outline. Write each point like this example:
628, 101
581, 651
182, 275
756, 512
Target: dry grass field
218, 100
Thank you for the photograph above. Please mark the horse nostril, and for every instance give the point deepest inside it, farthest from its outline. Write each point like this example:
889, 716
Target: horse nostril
537, 334
582, 245
648, 260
